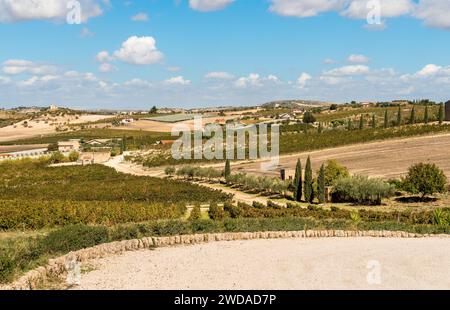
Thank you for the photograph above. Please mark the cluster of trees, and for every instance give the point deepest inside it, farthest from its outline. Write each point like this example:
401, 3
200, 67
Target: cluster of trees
58, 157
191, 172
305, 186
361, 189
261, 184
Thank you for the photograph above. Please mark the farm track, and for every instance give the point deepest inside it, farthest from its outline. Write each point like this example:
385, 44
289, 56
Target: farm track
334, 263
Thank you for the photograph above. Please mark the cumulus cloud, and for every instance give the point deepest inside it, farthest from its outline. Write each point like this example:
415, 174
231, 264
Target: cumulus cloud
103, 56
177, 80
107, 67
348, 70
219, 75
355, 58
255, 80
209, 5
303, 78
25, 10
434, 13
304, 8
139, 51
359, 9
140, 17
18, 66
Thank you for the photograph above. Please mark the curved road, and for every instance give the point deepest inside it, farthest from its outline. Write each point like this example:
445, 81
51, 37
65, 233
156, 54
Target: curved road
333, 263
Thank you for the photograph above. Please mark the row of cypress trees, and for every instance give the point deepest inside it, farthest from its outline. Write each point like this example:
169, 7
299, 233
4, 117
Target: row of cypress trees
412, 118
305, 187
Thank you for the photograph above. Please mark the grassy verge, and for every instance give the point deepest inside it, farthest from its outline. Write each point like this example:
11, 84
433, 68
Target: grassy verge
18, 255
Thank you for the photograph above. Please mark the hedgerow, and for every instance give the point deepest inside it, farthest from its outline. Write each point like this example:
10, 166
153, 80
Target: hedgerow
20, 255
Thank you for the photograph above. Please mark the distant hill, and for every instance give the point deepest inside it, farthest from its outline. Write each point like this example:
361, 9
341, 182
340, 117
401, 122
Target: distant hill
295, 104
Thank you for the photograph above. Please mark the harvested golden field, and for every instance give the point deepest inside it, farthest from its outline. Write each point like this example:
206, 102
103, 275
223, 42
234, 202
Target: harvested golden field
43, 126
385, 159
149, 125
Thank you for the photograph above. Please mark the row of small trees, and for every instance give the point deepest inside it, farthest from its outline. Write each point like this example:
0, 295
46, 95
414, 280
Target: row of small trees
399, 121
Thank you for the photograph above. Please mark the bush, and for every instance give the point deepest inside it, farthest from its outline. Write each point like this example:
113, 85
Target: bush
425, 179
72, 238
216, 212
308, 118
361, 189
74, 156
57, 157
196, 213
169, 171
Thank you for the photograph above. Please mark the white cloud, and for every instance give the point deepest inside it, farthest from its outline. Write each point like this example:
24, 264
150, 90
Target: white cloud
107, 67
428, 70
138, 83
360, 9
209, 5
219, 75
25, 10
255, 80
177, 80
18, 66
140, 17
434, 13
139, 51
103, 56
358, 58
303, 78
304, 8
348, 70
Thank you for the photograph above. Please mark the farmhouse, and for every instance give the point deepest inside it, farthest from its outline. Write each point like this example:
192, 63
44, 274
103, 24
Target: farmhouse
69, 146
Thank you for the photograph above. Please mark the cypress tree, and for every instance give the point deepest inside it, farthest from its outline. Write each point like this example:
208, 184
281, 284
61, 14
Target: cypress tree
227, 171
320, 128
441, 114
425, 118
298, 182
412, 118
123, 144
386, 119
350, 125
321, 185
361, 122
399, 116
374, 121
308, 184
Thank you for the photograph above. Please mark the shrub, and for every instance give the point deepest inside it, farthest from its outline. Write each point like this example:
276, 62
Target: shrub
308, 118
72, 238
361, 189
425, 179
216, 212
74, 156
196, 213
232, 210
56, 158
169, 171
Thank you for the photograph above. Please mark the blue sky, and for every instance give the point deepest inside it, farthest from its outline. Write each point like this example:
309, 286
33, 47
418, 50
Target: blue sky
196, 53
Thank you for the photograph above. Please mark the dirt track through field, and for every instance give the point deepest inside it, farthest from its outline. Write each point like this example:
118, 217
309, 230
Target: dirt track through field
385, 159
333, 263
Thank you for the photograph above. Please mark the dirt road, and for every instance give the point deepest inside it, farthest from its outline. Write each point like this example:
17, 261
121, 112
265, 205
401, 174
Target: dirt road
281, 264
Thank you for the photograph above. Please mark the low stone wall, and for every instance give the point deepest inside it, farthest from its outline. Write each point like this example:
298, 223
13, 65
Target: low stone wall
58, 268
